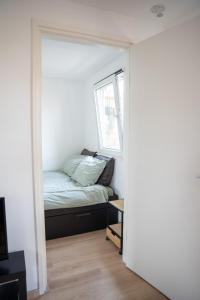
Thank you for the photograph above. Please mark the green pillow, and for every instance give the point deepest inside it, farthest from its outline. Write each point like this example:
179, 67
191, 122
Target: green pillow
72, 163
88, 171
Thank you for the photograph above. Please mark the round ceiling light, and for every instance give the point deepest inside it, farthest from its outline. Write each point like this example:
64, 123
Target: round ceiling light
158, 10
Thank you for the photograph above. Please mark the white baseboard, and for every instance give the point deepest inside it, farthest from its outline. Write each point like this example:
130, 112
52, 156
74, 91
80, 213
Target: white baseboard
33, 294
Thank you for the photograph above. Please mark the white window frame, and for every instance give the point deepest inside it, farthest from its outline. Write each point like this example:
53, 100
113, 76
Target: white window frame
110, 79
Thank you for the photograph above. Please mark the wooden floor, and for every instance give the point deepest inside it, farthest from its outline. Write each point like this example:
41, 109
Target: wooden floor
88, 267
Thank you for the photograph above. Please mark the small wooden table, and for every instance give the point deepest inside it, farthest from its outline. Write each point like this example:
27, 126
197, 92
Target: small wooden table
114, 232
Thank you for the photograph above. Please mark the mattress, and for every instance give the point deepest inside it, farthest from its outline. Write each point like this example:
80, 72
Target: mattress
60, 191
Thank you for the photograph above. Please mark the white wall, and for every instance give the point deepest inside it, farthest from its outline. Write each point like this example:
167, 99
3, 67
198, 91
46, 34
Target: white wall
163, 218
91, 128
69, 120
62, 121
15, 113
164, 247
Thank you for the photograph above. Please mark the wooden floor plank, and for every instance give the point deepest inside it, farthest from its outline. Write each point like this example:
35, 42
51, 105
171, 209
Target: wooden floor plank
88, 267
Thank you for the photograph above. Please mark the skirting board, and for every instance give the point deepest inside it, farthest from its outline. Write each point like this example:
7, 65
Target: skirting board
33, 294
131, 269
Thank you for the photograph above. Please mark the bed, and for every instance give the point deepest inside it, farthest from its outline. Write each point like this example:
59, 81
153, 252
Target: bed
60, 191
71, 208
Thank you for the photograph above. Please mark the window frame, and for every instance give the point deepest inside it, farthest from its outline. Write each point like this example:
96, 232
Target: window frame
111, 79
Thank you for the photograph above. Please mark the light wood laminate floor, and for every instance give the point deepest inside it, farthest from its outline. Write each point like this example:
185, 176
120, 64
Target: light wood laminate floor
87, 267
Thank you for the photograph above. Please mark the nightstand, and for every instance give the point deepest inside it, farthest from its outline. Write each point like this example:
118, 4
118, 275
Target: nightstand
114, 232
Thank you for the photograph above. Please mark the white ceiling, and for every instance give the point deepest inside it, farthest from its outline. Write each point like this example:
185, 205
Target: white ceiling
73, 60
137, 12
77, 61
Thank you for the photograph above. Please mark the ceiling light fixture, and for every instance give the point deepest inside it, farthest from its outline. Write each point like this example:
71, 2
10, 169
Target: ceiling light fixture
158, 10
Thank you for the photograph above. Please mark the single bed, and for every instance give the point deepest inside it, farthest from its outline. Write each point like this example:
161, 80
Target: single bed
71, 208
60, 191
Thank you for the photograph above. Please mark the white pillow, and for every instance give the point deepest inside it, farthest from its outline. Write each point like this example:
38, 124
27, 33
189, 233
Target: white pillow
88, 171
72, 163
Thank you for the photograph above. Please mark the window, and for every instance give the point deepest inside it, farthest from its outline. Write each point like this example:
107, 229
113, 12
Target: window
109, 107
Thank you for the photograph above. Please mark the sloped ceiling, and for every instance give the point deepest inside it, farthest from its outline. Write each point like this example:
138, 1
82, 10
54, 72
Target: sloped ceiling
143, 23
73, 60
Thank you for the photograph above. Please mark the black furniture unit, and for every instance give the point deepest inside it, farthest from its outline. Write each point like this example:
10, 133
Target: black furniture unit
13, 277
69, 221
3, 231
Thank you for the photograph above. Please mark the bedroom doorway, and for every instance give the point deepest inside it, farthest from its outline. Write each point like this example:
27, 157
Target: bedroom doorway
83, 124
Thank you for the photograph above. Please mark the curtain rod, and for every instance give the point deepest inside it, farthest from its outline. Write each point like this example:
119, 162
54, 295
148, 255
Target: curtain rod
115, 73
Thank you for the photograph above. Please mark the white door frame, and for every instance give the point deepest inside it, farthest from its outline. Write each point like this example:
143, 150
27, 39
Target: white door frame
40, 29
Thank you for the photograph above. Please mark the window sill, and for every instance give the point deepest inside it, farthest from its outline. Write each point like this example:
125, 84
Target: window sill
112, 153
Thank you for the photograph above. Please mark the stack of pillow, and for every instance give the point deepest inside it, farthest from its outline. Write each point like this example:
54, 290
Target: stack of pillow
84, 169
87, 169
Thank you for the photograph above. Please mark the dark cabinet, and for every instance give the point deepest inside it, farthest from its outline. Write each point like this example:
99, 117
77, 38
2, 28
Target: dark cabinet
13, 277
9, 290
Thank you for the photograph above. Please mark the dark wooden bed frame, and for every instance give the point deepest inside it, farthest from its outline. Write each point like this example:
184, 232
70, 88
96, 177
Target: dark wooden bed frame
69, 221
